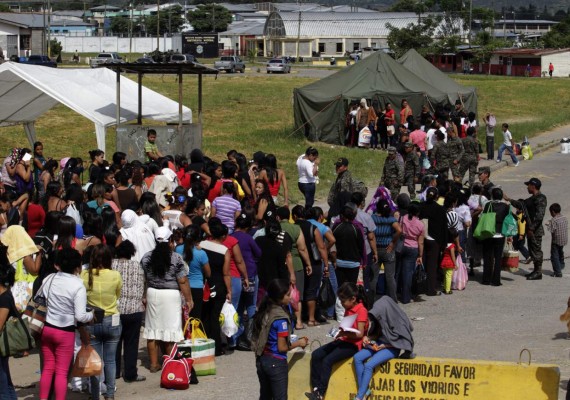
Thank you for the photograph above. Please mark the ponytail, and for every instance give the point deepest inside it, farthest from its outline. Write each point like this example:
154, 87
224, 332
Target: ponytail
350, 289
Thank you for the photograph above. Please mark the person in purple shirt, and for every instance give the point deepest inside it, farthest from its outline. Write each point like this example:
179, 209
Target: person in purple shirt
251, 252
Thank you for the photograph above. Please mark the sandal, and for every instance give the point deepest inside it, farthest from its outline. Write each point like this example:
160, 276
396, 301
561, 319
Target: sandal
313, 323
300, 328
155, 368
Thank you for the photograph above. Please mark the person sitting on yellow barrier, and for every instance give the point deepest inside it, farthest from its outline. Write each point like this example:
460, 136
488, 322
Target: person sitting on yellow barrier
347, 342
392, 329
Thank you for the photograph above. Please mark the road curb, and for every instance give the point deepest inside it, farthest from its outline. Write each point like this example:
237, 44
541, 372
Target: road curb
546, 146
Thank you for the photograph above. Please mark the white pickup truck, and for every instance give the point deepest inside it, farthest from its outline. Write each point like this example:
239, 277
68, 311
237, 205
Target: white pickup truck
230, 64
106, 58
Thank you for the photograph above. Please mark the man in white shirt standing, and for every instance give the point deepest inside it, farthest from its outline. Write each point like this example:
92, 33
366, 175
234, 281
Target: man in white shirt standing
308, 168
508, 144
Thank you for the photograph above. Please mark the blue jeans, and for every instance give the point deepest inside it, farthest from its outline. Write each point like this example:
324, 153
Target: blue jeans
105, 344
7, 391
463, 243
308, 190
273, 377
504, 147
373, 136
519, 245
409, 255
557, 258
236, 294
334, 284
248, 300
323, 360
364, 370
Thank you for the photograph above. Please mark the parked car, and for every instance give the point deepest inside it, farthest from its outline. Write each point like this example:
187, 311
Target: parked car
278, 65
38, 60
106, 58
230, 64
182, 59
145, 60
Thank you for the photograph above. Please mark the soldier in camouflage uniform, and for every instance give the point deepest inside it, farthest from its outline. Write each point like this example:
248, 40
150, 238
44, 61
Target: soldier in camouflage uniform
470, 159
393, 173
411, 168
343, 182
440, 157
534, 209
455, 147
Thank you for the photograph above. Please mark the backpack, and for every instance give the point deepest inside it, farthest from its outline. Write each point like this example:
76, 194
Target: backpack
360, 187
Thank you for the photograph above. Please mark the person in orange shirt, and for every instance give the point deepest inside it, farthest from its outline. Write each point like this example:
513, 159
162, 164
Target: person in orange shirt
405, 112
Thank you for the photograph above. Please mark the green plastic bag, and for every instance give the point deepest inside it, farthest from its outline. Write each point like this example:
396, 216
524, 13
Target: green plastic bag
510, 226
486, 226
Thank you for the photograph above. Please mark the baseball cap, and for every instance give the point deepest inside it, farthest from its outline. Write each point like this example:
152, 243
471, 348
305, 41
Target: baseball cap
162, 234
341, 161
408, 144
392, 149
535, 182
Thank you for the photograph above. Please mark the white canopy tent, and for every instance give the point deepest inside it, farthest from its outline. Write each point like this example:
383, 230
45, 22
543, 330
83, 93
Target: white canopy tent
28, 91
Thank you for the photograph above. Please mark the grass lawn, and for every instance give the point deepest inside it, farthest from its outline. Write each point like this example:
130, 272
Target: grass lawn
254, 112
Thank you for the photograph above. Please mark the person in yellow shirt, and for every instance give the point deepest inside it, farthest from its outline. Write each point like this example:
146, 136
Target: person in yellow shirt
518, 241
103, 290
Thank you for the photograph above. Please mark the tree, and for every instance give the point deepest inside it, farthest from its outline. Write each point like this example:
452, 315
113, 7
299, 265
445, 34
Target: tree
414, 36
417, 6
210, 18
171, 21
487, 45
55, 47
5, 8
485, 15
120, 25
558, 36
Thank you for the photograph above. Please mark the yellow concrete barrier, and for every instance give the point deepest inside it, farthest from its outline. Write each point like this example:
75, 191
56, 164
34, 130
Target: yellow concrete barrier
321, 63
434, 379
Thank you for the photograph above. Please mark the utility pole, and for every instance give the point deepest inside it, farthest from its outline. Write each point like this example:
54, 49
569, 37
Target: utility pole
130, 28
49, 29
213, 17
44, 38
298, 34
157, 25
470, 20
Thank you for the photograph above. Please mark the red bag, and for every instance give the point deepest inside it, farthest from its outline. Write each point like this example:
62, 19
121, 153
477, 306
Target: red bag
295, 297
176, 371
207, 292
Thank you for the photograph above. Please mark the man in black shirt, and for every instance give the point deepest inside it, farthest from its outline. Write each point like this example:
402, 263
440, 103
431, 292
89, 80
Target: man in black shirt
484, 175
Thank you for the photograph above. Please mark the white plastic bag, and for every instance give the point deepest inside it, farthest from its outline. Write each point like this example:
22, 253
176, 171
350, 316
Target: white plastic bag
229, 319
364, 137
72, 212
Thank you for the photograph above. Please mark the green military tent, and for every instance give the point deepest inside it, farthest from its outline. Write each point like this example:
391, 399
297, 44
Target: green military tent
320, 108
421, 67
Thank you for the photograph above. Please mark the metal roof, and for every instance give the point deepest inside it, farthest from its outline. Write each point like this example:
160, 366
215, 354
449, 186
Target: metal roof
530, 52
239, 8
25, 20
336, 24
162, 68
248, 27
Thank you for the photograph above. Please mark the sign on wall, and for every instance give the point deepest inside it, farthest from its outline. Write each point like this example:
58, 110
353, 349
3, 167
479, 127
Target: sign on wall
200, 44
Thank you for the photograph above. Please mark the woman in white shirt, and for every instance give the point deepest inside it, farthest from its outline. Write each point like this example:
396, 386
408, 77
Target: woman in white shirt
308, 168
67, 304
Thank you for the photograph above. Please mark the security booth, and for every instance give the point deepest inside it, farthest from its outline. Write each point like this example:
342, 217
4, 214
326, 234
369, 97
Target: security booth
179, 137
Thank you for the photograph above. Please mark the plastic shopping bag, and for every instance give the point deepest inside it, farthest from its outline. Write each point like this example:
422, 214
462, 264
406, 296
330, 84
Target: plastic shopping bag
229, 319
87, 363
460, 277
295, 297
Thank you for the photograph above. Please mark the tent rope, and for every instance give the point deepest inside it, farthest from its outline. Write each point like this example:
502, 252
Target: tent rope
429, 102
310, 119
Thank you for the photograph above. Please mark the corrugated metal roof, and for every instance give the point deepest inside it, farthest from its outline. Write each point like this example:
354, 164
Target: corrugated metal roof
28, 20
530, 52
346, 24
239, 8
254, 28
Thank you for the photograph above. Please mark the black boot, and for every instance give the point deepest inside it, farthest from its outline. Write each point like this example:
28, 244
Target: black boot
535, 276
244, 341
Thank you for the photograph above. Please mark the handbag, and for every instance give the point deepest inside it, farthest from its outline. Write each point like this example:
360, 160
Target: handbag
87, 363
36, 311
203, 352
419, 280
15, 337
390, 130
510, 259
460, 276
207, 292
176, 370
327, 296
486, 226
510, 225
194, 329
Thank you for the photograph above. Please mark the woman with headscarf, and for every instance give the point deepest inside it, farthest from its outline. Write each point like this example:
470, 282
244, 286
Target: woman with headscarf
138, 233
392, 330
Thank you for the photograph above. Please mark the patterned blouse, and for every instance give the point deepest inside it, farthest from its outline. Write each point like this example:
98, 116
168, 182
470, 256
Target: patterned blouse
133, 285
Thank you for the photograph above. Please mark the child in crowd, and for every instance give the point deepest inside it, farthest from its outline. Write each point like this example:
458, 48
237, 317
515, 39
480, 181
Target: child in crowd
346, 344
476, 199
558, 226
518, 241
392, 329
448, 263
272, 340
150, 147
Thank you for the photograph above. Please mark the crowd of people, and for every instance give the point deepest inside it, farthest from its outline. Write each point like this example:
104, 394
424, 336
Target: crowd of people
141, 242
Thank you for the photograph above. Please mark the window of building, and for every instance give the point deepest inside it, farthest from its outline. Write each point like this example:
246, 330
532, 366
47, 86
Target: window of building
322, 48
339, 47
355, 46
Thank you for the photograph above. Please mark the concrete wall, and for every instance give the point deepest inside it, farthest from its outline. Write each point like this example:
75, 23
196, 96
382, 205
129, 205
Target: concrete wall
113, 43
561, 62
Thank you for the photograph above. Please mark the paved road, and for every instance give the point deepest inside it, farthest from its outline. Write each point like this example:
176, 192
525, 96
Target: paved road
482, 322
297, 72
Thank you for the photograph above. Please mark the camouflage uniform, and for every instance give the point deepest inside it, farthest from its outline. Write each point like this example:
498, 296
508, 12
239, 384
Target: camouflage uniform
343, 183
535, 208
411, 171
393, 176
440, 159
470, 159
455, 147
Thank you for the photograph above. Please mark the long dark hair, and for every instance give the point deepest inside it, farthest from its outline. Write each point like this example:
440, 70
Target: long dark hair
101, 258
109, 225
350, 289
270, 166
149, 206
65, 232
160, 259
68, 171
276, 291
7, 272
191, 238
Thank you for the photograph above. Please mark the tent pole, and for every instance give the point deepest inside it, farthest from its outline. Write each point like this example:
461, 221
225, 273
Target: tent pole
180, 75
118, 96
139, 114
200, 98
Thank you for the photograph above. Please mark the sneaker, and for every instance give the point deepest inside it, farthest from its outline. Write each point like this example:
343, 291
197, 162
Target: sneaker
517, 164
498, 160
